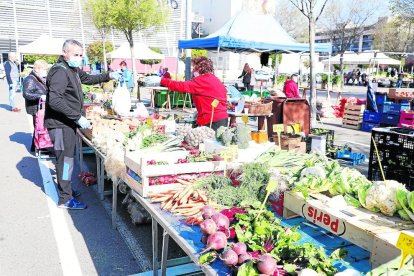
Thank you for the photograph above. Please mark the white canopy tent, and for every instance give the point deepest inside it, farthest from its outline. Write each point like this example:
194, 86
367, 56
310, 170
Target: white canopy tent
43, 45
368, 57
140, 49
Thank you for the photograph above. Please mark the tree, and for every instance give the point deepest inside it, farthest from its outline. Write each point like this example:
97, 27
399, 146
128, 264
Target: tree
291, 20
312, 10
152, 61
394, 35
96, 51
345, 23
403, 8
195, 53
32, 58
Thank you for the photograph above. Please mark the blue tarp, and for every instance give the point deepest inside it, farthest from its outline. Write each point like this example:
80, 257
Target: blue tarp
248, 32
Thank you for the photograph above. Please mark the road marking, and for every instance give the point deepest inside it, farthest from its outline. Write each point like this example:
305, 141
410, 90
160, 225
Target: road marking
67, 254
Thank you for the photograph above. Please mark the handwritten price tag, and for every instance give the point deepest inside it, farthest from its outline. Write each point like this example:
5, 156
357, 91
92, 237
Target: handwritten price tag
406, 244
245, 119
214, 103
150, 122
278, 128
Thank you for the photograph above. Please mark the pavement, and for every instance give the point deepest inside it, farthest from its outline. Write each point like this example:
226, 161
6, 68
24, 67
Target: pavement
37, 238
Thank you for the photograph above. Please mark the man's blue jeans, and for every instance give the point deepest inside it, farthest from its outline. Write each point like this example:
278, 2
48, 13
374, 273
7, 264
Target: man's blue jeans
12, 93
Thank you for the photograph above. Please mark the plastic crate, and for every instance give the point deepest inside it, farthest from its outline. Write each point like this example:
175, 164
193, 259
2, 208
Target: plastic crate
395, 107
160, 98
329, 133
368, 126
380, 98
257, 93
371, 116
390, 119
406, 118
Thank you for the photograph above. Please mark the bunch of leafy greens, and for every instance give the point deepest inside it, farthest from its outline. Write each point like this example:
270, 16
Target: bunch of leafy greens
251, 190
265, 233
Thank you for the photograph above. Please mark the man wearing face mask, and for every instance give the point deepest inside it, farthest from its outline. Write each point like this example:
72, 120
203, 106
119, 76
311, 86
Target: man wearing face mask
64, 114
34, 88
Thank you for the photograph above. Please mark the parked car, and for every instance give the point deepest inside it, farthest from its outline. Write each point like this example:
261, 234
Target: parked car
261, 75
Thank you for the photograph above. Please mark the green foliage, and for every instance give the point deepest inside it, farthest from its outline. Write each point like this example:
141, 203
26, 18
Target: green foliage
32, 58
195, 53
279, 56
95, 51
152, 61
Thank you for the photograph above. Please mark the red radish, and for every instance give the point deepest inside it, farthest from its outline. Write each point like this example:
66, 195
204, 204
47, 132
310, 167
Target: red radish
266, 265
207, 212
239, 248
244, 257
204, 238
221, 220
216, 241
230, 257
208, 227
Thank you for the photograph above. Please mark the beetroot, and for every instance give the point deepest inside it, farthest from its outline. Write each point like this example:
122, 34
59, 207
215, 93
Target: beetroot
208, 227
231, 212
255, 254
232, 234
244, 257
221, 220
230, 257
268, 246
207, 212
239, 248
266, 265
216, 241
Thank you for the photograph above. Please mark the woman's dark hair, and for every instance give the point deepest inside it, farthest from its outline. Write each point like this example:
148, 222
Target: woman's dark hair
123, 63
203, 65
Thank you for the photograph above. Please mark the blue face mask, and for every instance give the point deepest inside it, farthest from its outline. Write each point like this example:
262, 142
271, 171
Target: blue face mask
75, 61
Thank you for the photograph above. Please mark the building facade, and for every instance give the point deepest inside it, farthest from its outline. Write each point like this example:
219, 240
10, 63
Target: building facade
22, 21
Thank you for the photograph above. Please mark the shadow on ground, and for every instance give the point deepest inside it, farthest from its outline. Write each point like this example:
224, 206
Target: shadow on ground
23, 138
5, 106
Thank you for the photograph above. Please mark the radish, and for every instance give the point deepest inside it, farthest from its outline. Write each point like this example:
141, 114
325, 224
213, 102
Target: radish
207, 212
221, 220
230, 257
244, 257
266, 265
208, 227
216, 241
239, 248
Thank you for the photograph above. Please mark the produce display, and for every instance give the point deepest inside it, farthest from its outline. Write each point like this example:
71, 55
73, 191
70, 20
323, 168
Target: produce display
197, 135
239, 135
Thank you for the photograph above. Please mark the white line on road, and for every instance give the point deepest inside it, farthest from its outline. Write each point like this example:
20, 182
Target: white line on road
67, 254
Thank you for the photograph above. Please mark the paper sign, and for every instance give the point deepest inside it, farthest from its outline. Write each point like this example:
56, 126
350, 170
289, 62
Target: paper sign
271, 186
214, 103
149, 122
278, 128
245, 119
406, 244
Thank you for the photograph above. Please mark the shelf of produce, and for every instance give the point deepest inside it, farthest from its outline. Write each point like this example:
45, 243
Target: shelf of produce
357, 225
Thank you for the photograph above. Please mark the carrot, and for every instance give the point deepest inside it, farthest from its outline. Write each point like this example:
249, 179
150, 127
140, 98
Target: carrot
203, 197
184, 182
168, 205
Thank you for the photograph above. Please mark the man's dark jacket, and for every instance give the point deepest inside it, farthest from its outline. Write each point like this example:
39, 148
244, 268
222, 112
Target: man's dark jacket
64, 94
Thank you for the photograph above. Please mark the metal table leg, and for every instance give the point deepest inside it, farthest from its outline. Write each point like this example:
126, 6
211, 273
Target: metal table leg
114, 203
154, 247
98, 174
102, 177
164, 255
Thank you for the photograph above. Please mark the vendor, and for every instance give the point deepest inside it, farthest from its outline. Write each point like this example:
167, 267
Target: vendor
205, 87
126, 79
290, 88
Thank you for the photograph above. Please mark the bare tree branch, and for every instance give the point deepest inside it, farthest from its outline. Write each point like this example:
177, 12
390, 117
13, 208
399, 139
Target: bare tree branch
321, 11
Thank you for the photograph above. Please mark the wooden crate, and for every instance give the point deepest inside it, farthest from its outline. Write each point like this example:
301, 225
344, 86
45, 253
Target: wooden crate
401, 93
356, 225
353, 116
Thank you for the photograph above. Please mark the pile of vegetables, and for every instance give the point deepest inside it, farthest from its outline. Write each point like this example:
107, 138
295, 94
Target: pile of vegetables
87, 178
239, 135
261, 245
197, 135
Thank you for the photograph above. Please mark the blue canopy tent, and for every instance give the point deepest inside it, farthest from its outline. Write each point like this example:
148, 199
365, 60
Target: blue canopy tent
249, 32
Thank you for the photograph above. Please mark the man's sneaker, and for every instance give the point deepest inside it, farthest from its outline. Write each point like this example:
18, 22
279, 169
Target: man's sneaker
75, 193
73, 204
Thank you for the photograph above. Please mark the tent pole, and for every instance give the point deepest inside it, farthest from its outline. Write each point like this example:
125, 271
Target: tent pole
328, 96
178, 62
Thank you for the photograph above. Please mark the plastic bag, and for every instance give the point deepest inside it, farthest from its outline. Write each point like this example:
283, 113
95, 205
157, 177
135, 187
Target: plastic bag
121, 100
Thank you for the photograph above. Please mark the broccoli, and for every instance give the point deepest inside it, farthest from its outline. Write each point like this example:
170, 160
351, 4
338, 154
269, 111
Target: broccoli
220, 132
227, 137
242, 136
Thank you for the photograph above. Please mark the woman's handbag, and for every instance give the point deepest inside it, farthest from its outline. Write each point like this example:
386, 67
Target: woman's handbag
41, 135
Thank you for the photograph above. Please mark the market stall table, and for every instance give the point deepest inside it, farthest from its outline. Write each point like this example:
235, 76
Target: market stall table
261, 118
156, 89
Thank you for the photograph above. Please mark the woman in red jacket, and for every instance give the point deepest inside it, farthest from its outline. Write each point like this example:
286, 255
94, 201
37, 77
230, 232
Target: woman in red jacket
205, 88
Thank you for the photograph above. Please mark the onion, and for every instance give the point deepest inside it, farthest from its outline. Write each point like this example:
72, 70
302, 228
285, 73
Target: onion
216, 241
244, 257
208, 227
207, 212
221, 220
266, 265
239, 248
230, 258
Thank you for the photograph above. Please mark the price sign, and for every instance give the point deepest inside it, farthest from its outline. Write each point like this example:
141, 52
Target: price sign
245, 119
406, 244
215, 103
150, 122
278, 128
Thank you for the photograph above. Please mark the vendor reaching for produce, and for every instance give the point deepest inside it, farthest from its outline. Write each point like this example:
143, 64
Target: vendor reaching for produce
205, 88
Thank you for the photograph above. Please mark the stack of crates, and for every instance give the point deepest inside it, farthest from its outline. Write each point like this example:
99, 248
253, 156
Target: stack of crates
353, 116
396, 153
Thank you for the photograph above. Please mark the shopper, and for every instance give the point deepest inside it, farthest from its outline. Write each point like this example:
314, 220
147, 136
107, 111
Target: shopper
166, 74
246, 75
64, 114
126, 77
290, 87
400, 80
34, 88
11, 70
205, 87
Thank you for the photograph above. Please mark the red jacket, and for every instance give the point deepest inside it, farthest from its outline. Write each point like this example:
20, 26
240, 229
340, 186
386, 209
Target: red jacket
204, 88
291, 89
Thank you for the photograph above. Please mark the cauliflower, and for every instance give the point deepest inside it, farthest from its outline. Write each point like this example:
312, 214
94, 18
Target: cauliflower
220, 131
315, 171
383, 196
